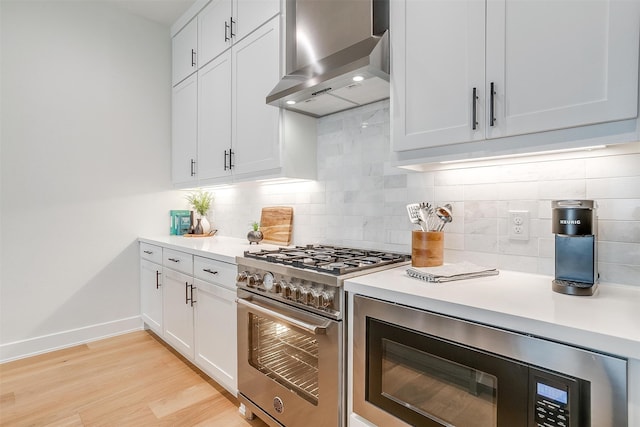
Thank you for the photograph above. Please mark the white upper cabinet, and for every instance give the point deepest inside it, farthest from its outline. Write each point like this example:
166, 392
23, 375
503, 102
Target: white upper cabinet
224, 22
214, 29
185, 54
214, 118
184, 122
256, 70
559, 64
552, 65
223, 131
438, 60
250, 14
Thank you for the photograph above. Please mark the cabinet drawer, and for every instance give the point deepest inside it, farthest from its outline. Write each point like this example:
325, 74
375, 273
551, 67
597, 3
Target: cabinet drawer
151, 252
214, 271
177, 260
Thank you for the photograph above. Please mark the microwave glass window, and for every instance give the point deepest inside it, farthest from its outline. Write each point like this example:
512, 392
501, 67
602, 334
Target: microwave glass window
445, 391
285, 354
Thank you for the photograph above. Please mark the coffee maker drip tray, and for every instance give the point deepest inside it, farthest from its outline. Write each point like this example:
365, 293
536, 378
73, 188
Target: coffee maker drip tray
574, 288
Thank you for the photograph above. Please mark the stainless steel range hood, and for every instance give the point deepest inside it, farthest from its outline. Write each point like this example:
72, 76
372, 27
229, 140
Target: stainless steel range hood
337, 56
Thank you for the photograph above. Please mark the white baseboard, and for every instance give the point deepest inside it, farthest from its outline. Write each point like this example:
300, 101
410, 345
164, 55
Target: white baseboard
46, 343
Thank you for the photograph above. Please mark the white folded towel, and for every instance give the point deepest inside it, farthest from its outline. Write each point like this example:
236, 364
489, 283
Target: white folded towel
450, 272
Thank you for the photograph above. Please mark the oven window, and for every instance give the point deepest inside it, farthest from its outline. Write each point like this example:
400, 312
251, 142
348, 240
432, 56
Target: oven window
287, 355
448, 392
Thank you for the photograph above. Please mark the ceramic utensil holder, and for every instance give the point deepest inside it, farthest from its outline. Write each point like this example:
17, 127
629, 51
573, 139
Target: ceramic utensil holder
427, 248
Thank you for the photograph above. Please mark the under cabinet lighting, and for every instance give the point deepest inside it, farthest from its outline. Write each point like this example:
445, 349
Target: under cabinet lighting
537, 153
291, 102
358, 78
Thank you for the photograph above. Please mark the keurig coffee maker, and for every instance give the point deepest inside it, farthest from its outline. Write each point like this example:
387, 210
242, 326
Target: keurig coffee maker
574, 223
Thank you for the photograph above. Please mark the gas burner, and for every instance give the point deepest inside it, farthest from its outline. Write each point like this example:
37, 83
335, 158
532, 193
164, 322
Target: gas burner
334, 260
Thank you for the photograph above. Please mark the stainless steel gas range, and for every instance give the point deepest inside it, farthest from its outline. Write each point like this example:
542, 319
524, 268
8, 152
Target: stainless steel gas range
291, 333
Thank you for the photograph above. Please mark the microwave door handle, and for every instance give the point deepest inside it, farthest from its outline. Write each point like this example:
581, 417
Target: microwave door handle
314, 329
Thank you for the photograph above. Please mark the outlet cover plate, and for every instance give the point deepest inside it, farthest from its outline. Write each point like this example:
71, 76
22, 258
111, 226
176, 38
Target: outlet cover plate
518, 225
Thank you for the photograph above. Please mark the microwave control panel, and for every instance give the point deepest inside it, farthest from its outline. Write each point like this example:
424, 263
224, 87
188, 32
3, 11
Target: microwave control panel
551, 405
556, 399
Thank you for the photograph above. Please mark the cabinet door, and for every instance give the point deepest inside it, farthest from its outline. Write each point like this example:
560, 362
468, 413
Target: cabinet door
214, 30
184, 45
255, 128
151, 295
559, 64
250, 14
216, 342
184, 131
178, 312
437, 61
214, 117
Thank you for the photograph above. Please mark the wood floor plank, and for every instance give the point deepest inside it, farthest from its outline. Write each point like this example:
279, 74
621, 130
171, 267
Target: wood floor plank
130, 380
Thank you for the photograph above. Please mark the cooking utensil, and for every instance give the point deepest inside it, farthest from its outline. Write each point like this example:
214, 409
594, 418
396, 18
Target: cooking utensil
445, 216
414, 214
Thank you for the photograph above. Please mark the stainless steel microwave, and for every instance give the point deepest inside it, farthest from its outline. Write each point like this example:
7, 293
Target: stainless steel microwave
417, 368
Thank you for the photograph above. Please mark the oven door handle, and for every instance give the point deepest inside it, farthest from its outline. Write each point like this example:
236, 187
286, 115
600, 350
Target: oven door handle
314, 329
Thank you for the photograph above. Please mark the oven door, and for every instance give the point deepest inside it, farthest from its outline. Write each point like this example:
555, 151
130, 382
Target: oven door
289, 363
404, 376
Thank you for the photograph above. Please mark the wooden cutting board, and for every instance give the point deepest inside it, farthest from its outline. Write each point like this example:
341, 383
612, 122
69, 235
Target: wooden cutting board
275, 224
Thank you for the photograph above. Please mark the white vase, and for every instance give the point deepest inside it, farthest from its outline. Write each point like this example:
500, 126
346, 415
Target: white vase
206, 227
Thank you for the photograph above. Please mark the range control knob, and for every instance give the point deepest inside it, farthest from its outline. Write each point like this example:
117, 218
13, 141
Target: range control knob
277, 286
254, 280
242, 276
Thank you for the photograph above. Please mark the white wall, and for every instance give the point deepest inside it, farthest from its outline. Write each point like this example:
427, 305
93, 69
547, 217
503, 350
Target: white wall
359, 200
85, 168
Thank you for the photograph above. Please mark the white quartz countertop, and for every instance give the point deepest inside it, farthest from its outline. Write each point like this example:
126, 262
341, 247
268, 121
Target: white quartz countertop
221, 248
608, 322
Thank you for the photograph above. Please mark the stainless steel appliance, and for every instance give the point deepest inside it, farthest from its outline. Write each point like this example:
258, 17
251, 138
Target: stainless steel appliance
337, 55
413, 367
291, 340
574, 224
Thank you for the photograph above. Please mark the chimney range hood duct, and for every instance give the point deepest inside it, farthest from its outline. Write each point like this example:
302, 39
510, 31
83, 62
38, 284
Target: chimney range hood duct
337, 56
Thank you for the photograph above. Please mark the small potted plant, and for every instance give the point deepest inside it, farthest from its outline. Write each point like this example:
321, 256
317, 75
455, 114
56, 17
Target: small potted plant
255, 235
201, 201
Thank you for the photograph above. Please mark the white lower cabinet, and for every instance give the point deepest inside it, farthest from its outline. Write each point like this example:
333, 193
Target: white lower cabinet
178, 311
151, 295
151, 286
190, 302
215, 333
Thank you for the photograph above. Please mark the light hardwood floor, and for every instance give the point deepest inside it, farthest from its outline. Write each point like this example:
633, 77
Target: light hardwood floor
129, 380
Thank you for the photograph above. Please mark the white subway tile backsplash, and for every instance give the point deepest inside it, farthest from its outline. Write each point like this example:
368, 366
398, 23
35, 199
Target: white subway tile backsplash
613, 166
619, 231
619, 273
481, 192
360, 199
618, 253
627, 187
563, 189
619, 209
518, 191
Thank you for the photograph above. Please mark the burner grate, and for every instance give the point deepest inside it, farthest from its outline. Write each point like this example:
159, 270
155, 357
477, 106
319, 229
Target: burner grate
334, 260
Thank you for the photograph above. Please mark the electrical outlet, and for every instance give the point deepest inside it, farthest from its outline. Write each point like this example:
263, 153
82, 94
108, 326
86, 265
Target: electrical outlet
519, 225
